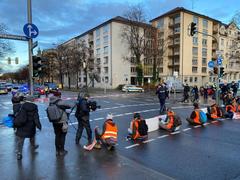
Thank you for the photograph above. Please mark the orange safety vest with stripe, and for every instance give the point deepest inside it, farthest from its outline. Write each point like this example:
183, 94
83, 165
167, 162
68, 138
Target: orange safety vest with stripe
231, 108
170, 115
214, 114
135, 129
197, 118
111, 130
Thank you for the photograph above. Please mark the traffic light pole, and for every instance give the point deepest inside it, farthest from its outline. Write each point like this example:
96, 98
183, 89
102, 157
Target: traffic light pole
30, 68
218, 74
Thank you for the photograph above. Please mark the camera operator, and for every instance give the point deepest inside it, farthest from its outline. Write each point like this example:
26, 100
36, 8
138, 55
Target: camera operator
82, 115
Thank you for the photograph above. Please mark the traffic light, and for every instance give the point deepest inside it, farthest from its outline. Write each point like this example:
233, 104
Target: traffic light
36, 66
215, 70
193, 28
221, 71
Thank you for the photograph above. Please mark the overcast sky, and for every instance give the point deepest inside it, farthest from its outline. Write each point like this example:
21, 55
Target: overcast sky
60, 20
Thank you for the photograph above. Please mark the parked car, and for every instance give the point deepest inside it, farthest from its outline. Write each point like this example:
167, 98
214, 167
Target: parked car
132, 88
9, 86
14, 90
3, 90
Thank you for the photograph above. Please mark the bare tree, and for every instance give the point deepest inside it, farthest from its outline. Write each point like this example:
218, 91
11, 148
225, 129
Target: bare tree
136, 34
6, 47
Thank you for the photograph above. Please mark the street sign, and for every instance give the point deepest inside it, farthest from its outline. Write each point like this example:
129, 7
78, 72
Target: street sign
35, 44
219, 61
210, 64
30, 30
14, 37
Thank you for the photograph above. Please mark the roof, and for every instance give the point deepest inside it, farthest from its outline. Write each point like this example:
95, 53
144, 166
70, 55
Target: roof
182, 9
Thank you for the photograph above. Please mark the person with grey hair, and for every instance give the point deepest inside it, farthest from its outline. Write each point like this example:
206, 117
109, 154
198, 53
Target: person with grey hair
26, 119
60, 127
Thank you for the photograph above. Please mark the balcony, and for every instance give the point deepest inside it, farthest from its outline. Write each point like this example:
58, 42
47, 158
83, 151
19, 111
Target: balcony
173, 34
176, 63
173, 44
175, 54
174, 24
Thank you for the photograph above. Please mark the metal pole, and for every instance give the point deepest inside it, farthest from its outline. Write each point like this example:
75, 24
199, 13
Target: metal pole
30, 68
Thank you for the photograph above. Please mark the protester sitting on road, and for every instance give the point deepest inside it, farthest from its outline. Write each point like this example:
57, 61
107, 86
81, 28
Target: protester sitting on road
214, 112
171, 123
26, 119
195, 116
231, 108
138, 128
60, 125
108, 137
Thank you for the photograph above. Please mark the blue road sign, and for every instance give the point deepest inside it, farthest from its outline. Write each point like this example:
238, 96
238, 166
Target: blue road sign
30, 30
219, 61
210, 64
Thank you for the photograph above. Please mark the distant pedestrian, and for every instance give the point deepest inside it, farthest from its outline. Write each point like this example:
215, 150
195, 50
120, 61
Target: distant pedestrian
186, 91
162, 93
60, 126
195, 92
26, 119
234, 87
205, 93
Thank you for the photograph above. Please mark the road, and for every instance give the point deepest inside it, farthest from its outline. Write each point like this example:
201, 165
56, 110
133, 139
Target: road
210, 152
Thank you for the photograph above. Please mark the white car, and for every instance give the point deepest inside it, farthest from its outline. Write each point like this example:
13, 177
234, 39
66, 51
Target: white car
132, 88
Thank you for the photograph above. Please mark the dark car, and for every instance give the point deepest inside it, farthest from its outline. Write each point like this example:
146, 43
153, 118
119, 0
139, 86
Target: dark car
40, 89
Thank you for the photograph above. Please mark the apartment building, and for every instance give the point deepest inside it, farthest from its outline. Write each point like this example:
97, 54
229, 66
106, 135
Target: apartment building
109, 54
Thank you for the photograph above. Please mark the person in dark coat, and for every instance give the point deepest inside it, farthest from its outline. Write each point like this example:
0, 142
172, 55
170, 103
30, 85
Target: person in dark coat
28, 129
162, 93
82, 115
61, 127
234, 87
186, 91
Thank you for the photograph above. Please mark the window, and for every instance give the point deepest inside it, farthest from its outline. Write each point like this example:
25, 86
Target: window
194, 61
177, 41
161, 70
195, 79
133, 69
97, 32
105, 39
176, 19
99, 70
222, 42
204, 69
105, 70
205, 32
204, 52
195, 19
98, 51
105, 60
195, 40
205, 24
106, 28
204, 61
190, 79
204, 42
105, 50
177, 30
160, 23
98, 61
106, 79
194, 69
195, 51
186, 79
98, 42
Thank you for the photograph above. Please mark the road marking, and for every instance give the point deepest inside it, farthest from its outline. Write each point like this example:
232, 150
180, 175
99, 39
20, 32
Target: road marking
163, 136
97, 119
106, 102
128, 113
149, 140
205, 124
187, 129
198, 126
134, 145
7, 103
119, 104
214, 122
130, 105
177, 132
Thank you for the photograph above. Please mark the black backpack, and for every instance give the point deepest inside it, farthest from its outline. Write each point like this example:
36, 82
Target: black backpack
20, 118
177, 121
142, 128
54, 113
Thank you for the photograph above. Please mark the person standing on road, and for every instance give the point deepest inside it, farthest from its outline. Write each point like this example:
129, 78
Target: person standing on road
26, 120
196, 95
60, 127
186, 91
82, 115
234, 87
162, 93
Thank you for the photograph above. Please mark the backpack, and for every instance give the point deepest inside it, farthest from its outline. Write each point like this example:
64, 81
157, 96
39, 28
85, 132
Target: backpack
142, 128
177, 121
203, 116
54, 113
20, 118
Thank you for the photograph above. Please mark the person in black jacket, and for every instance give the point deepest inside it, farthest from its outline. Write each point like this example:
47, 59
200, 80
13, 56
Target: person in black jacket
162, 93
82, 115
28, 129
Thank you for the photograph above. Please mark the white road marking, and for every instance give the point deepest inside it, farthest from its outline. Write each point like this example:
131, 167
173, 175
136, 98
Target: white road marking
7, 103
187, 129
119, 104
214, 121
97, 119
198, 126
134, 145
205, 124
177, 132
149, 140
163, 136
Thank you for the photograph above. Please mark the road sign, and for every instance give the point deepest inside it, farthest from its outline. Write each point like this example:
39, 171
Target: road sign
35, 44
219, 61
30, 30
210, 64
14, 37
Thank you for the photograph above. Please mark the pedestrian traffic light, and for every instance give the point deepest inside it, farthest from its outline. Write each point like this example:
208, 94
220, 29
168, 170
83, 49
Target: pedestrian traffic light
36, 66
215, 70
221, 71
193, 28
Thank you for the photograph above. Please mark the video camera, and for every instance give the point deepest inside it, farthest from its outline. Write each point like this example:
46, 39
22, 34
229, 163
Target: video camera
93, 105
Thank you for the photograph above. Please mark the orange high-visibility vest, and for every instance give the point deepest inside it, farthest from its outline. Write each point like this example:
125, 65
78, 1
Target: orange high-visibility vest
197, 118
110, 131
231, 108
135, 124
214, 114
170, 115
